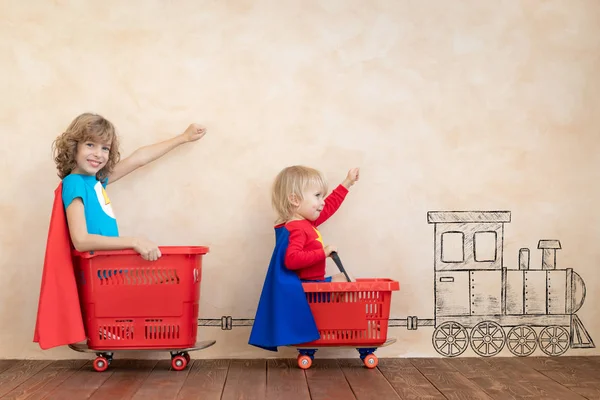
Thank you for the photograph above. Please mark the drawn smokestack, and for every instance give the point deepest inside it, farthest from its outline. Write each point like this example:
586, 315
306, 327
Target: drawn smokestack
523, 259
549, 248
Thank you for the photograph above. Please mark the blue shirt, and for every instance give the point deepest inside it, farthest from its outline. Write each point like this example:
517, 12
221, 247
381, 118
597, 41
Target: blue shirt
99, 216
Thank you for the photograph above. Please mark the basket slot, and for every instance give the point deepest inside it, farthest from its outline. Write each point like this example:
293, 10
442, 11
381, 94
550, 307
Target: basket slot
138, 276
121, 330
155, 331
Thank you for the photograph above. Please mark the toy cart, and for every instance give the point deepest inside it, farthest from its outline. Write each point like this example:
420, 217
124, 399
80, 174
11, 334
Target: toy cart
349, 314
129, 303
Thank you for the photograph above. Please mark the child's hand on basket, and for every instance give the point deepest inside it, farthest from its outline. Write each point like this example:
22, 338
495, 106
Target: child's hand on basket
147, 249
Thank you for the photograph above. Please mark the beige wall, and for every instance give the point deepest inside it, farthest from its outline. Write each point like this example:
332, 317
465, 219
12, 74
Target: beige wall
445, 105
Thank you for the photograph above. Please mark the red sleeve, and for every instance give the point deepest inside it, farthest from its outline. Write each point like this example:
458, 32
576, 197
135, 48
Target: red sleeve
332, 203
295, 257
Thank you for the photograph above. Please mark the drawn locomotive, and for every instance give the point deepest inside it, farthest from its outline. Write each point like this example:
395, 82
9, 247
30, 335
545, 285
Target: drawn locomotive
481, 303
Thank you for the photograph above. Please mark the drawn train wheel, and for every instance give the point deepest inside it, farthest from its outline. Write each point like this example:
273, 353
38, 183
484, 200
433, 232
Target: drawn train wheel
450, 339
522, 341
487, 338
554, 340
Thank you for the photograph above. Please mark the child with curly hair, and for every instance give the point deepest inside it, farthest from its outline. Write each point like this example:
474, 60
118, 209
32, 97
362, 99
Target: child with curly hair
88, 159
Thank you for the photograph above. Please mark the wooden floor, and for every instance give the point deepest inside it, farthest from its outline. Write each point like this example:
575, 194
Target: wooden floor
462, 378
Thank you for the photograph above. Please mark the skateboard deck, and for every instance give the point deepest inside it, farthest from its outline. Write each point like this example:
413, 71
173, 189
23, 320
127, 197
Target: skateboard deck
307, 352
83, 348
365, 346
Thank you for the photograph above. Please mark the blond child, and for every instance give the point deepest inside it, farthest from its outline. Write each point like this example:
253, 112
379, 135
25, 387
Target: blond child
299, 198
283, 316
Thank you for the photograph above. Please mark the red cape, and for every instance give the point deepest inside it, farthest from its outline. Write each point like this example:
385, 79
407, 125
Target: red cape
59, 321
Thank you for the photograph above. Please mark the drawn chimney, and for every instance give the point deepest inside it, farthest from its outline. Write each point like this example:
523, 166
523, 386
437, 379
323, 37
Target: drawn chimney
524, 259
549, 248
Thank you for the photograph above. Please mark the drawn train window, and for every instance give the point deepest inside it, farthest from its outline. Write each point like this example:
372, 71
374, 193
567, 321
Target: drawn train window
484, 246
453, 247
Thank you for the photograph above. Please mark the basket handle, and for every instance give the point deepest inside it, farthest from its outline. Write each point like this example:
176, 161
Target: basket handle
338, 262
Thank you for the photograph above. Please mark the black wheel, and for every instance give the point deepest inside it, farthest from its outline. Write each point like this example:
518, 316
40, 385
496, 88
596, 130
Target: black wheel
554, 340
487, 338
450, 339
521, 341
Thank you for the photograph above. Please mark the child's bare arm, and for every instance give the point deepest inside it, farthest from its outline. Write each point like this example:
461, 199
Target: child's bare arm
147, 154
83, 241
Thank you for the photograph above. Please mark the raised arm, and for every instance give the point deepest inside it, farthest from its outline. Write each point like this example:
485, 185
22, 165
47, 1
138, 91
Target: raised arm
337, 196
147, 154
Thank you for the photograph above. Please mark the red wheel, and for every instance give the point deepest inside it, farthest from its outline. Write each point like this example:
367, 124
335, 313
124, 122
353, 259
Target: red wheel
304, 362
371, 361
100, 364
187, 357
178, 363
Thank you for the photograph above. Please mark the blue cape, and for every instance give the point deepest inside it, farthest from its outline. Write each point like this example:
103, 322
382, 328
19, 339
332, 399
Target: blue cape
283, 316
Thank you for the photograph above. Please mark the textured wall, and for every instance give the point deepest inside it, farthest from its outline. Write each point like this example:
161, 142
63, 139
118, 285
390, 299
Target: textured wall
461, 105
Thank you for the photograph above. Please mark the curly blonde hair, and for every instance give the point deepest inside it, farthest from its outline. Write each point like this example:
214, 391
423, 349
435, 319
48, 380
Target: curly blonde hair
290, 181
84, 127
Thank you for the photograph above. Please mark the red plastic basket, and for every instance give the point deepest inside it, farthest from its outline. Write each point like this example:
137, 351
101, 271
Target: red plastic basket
130, 303
350, 313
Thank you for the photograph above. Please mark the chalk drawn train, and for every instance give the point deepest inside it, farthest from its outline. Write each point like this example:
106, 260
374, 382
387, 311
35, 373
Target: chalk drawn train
481, 303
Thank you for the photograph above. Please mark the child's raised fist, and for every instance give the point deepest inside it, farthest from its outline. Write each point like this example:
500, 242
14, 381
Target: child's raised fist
351, 178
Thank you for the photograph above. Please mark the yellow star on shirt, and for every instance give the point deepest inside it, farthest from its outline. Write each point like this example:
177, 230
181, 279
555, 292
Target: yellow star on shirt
319, 237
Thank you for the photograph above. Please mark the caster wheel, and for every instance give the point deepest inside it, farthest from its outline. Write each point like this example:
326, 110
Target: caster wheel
187, 357
371, 361
100, 364
304, 362
178, 363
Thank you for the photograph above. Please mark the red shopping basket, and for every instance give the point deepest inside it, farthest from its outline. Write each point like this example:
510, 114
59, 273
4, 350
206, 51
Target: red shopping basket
350, 313
130, 303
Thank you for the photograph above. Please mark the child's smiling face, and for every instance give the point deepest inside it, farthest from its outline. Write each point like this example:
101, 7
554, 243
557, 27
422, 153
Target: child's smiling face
91, 157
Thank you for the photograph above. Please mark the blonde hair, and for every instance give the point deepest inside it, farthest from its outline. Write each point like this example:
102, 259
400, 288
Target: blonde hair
84, 127
290, 181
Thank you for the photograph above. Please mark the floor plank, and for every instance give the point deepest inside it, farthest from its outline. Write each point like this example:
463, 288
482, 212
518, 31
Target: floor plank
451, 383
366, 384
509, 378
6, 364
20, 372
246, 380
80, 385
205, 380
127, 377
162, 383
45, 381
285, 380
408, 382
326, 381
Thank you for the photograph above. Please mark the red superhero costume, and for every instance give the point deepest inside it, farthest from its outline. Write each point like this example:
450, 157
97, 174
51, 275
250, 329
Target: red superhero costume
305, 253
59, 320
283, 315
